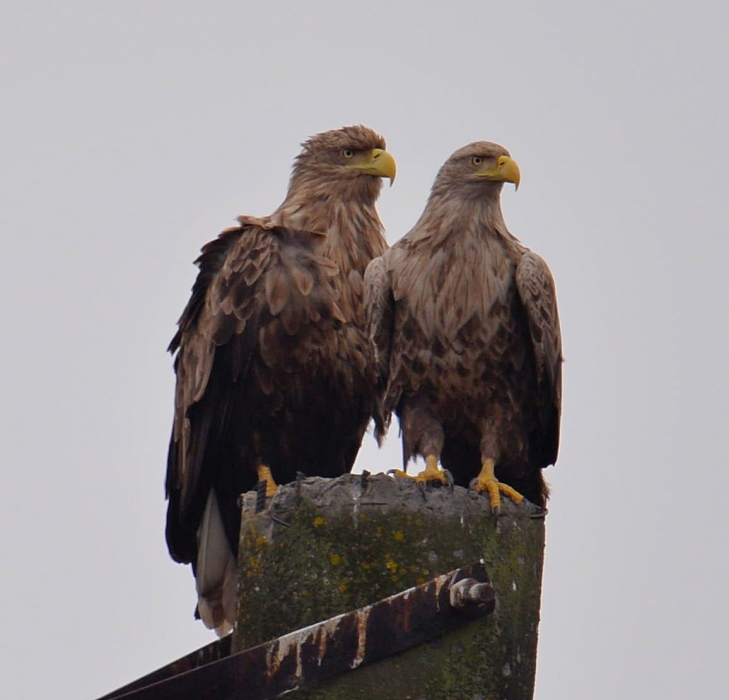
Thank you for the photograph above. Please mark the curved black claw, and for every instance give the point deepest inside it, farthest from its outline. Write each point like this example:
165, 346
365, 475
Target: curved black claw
495, 512
260, 496
451, 480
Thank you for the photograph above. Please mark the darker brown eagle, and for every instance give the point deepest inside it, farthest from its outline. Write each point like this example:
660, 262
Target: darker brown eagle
273, 364
464, 321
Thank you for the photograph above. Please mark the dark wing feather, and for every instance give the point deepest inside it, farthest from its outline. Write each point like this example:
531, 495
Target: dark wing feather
380, 318
215, 342
210, 262
201, 327
259, 330
537, 291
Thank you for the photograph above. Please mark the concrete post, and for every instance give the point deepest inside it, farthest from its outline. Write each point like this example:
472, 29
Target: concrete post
327, 546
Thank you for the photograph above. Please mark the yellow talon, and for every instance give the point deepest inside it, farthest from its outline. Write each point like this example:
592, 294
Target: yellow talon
264, 474
486, 481
432, 473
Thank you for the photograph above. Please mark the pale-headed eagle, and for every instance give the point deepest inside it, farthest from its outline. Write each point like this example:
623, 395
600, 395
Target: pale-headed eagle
464, 321
273, 364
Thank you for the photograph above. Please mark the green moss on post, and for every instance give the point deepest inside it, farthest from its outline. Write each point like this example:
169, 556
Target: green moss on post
328, 546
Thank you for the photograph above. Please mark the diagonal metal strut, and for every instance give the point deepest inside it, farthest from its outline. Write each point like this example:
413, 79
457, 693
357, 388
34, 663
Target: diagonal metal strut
326, 649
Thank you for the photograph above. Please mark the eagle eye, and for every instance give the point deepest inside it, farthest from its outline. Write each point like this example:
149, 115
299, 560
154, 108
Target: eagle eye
476, 160
347, 152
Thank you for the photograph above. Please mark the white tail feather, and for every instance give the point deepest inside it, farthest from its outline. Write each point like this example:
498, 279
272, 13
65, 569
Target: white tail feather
215, 574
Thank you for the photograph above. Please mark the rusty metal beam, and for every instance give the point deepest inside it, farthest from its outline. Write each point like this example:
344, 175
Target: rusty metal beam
333, 647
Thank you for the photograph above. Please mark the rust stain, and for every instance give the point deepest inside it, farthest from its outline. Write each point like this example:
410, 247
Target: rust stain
362, 617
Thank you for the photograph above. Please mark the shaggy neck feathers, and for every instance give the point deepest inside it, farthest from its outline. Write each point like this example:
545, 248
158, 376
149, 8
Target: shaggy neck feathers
472, 209
341, 210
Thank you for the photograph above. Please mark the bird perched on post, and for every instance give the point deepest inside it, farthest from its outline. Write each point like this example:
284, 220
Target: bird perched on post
464, 322
274, 373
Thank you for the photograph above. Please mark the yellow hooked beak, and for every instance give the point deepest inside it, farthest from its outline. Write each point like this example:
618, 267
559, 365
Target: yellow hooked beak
375, 162
505, 170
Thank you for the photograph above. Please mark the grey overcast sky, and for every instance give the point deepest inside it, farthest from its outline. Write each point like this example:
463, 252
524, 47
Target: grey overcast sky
133, 132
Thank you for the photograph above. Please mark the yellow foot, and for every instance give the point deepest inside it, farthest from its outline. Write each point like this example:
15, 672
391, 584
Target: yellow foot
264, 474
432, 474
486, 481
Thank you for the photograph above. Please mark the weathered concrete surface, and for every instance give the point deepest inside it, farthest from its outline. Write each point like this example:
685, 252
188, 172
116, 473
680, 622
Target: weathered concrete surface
327, 546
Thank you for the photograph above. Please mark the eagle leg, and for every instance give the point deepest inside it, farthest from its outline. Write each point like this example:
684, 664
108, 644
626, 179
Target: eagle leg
430, 475
264, 474
486, 481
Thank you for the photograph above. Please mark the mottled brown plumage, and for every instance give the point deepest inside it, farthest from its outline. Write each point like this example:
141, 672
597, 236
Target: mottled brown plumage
273, 363
464, 321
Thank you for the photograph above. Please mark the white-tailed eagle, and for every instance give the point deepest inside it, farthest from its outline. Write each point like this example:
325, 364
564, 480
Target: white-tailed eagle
273, 363
464, 321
